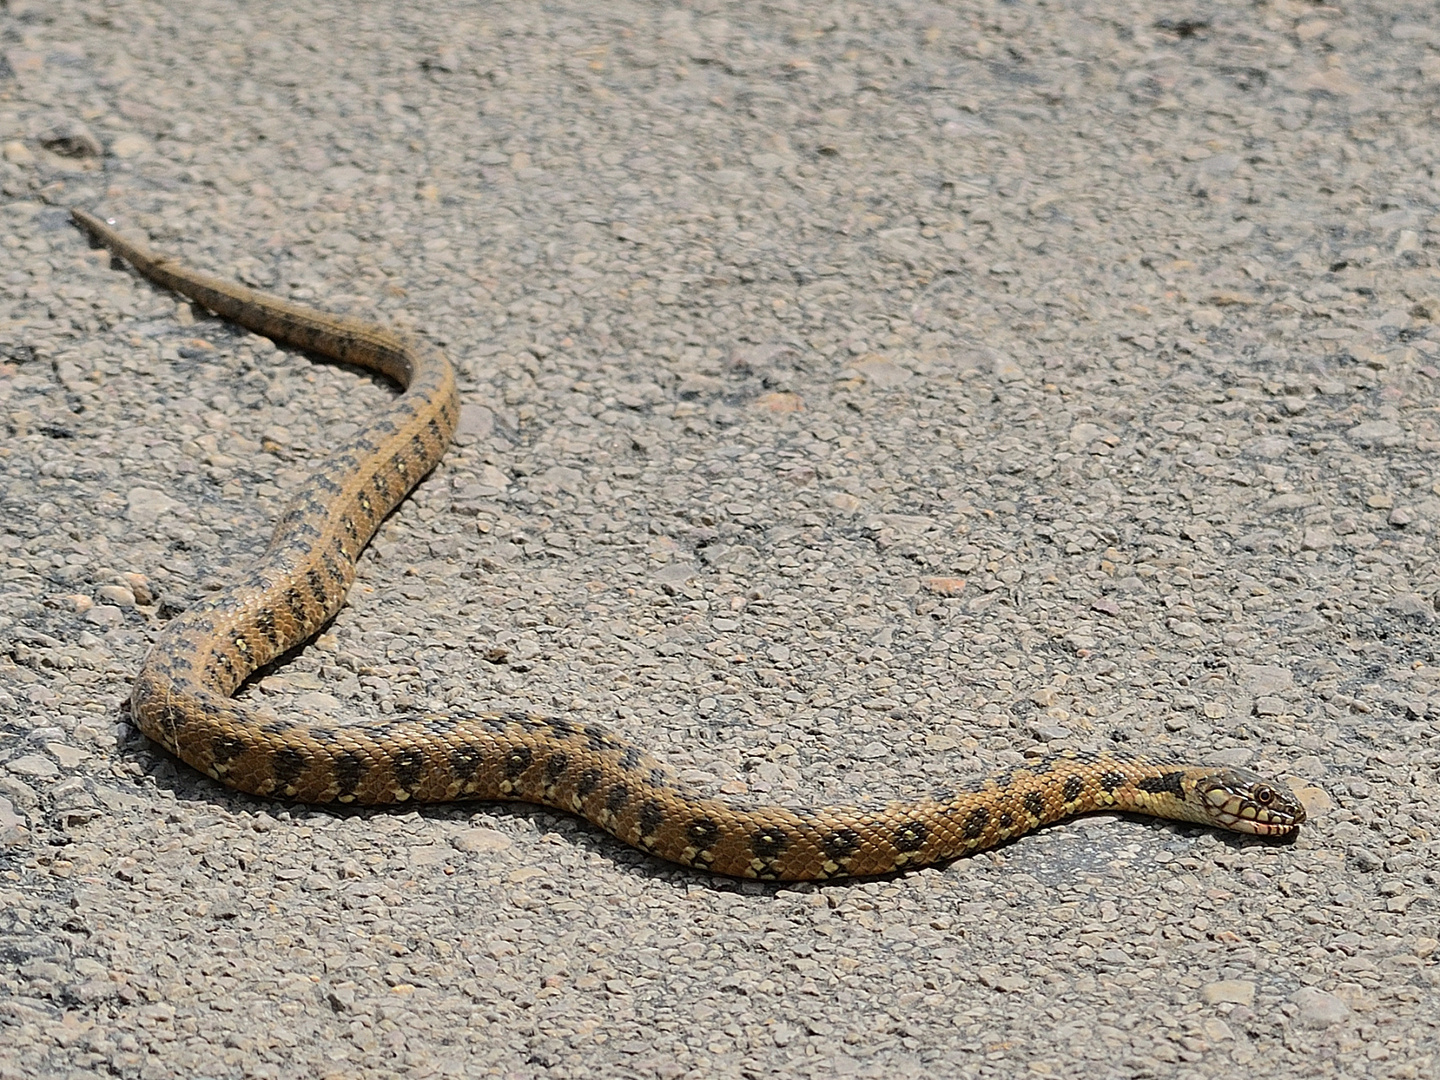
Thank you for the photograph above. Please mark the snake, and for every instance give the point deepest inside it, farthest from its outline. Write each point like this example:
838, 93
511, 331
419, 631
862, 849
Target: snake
182, 697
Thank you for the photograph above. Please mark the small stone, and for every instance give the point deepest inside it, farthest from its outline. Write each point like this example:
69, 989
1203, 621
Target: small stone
92, 991
480, 840
1427, 308
784, 1034
129, 145
945, 586
1317, 1009
1315, 800
71, 139
1376, 433
1217, 1031
780, 402
559, 478
880, 372
144, 505
69, 757
476, 422
1011, 984
492, 477
1262, 679
1007, 370
13, 832
1234, 991
1047, 732
119, 595
20, 794
139, 588
318, 701
105, 616
33, 766
1414, 605
1364, 860
428, 855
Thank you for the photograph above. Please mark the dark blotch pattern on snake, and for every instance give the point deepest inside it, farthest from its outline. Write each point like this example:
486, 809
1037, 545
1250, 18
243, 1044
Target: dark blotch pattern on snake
181, 697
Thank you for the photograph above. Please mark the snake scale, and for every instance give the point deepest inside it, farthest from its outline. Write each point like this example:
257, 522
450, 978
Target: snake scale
182, 694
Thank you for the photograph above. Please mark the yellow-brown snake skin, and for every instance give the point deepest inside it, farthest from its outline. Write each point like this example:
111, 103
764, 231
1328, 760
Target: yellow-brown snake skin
181, 697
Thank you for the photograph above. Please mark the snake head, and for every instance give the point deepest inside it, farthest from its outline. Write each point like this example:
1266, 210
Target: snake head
1246, 802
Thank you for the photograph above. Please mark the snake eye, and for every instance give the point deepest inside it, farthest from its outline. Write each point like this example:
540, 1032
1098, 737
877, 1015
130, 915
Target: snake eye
1263, 795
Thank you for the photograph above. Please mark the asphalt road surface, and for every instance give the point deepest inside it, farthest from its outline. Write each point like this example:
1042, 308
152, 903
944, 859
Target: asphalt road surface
857, 398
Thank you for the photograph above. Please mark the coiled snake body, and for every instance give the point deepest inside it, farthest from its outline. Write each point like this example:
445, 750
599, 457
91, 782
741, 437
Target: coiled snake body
181, 697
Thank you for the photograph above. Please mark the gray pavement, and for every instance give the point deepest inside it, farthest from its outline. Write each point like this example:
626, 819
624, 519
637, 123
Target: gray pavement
858, 397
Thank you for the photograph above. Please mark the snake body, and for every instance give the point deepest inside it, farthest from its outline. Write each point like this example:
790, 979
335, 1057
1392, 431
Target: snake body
182, 694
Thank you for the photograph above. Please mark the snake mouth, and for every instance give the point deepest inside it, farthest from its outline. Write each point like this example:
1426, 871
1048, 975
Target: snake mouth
1259, 828
1257, 821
